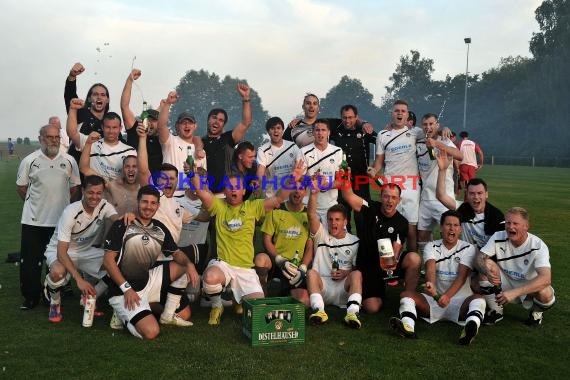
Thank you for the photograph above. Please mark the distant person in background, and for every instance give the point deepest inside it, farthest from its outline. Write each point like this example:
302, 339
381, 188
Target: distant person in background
64, 143
470, 151
10, 148
411, 119
46, 180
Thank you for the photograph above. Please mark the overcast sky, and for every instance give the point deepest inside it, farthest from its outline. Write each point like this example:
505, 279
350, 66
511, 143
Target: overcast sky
284, 48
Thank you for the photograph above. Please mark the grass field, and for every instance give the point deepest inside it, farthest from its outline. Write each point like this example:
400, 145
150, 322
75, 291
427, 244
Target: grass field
30, 346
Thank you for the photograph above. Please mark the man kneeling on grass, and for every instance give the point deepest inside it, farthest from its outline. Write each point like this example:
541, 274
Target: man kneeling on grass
131, 254
521, 272
447, 294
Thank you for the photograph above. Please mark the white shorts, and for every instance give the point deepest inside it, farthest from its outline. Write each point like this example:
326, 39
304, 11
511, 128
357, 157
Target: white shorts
409, 206
430, 214
334, 293
150, 293
449, 313
242, 281
90, 261
507, 283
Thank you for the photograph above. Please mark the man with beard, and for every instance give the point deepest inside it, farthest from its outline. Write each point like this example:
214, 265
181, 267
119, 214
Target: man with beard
276, 157
152, 144
382, 220
46, 180
139, 279
122, 192
108, 152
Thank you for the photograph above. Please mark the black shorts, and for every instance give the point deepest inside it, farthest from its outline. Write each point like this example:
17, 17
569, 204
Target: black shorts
373, 283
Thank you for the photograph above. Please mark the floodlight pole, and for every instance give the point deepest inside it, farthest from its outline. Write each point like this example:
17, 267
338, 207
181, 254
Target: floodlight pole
467, 41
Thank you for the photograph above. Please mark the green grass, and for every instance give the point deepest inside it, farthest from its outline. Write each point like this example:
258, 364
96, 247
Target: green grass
30, 346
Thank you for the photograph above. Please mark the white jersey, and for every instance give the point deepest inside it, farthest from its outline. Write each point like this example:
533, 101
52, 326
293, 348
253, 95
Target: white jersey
518, 263
278, 162
172, 215
48, 181
328, 248
327, 162
107, 160
447, 264
64, 140
81, 229
428, 170
175, 151
473, 230
193, 232
399, 149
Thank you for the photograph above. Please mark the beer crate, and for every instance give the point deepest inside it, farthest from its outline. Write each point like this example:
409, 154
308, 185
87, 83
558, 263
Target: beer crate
274, 321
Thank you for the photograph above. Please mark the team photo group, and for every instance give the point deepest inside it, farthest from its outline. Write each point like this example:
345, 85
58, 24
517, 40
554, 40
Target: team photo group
157, 219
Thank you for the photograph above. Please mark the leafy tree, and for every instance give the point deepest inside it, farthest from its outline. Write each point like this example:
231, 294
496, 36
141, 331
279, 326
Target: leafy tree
26, 141
19, 140
201, 91
350, 91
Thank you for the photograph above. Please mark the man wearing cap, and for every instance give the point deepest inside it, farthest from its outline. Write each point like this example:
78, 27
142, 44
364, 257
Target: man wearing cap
175, 149
152, 143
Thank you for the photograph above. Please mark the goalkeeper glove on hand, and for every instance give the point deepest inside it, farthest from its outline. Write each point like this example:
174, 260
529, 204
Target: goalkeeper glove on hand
288, 269
299, 277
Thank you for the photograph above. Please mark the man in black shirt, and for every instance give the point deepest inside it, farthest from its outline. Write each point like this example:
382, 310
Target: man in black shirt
354, 137
131, 254
381, 220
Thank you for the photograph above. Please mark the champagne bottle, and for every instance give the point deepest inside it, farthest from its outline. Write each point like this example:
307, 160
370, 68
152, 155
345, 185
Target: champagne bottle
144, 116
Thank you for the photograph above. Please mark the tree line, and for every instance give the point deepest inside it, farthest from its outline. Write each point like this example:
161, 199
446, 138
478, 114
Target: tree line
515, 109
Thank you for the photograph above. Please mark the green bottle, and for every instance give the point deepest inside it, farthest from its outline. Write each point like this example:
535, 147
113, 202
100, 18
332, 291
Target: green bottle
295, 260
335, 265
430, 150
190, 157
344, 164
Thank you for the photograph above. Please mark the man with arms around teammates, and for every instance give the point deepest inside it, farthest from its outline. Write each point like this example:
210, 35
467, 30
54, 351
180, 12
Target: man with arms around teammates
235, 225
